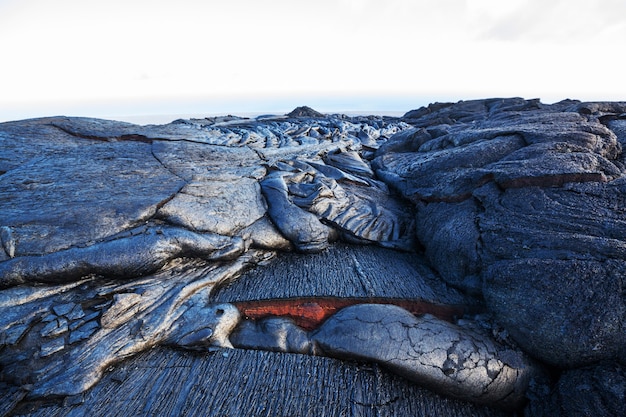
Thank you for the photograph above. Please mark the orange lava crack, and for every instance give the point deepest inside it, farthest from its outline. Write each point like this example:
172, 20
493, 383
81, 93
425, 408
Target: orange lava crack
310, 313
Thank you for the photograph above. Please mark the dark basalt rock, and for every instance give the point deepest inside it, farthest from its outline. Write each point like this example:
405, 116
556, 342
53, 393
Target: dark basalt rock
305, 198
598, 390
513, 149
557, 268
116, 238
566, 312
524, 203
248, 383
304, 111
143, 252
467, 111
47, 202
452, 242
346, 271
59, 340
302, 228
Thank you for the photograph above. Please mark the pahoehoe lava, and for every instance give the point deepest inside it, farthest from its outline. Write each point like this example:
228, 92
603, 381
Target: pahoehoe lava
468, 258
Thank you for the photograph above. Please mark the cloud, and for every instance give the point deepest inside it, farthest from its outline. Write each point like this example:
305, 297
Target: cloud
557, 21
150, 50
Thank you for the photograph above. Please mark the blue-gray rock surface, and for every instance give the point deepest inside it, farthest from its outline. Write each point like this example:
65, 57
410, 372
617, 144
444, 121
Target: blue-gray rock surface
472, 250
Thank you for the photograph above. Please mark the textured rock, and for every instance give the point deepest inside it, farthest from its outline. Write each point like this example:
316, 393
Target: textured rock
557, 268
451, 240
302, 228
138, 254
48, 202
263, 235
130, 227
514, 149
276, 334
58, 355
196, 161
346, 272
247, 383
590, 391
445, 174
115, 238
431, 352
222, 207
304, 111
363, 210
523, 202
565, 312
203, 325
576, 221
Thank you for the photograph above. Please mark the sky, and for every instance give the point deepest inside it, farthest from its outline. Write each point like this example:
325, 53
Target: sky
126, 58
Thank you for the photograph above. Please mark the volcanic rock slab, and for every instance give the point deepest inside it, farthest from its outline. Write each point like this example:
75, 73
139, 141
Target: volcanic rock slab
241, 383
522, 202
345, 271
432, 352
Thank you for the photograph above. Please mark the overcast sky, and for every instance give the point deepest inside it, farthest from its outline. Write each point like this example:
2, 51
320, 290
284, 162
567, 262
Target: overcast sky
131, 57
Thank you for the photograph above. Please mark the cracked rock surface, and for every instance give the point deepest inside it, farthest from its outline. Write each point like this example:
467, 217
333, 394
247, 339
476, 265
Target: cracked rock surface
437, 354
471, 254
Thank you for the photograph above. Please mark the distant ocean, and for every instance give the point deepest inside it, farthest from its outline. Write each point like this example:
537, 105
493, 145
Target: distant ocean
162, 111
